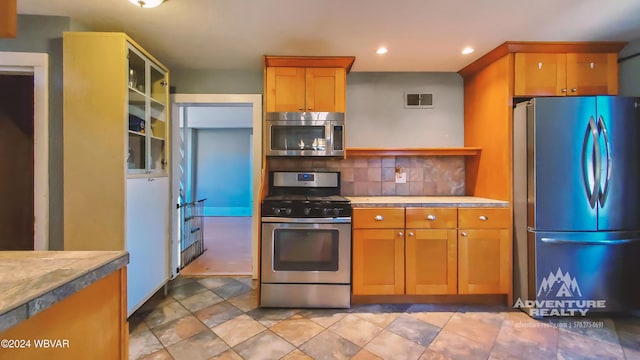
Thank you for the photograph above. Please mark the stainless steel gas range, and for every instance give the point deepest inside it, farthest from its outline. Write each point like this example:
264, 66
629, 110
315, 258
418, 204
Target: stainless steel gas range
306, 242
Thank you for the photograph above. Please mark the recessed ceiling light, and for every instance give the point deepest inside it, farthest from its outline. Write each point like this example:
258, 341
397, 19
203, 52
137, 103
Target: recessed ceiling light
381, 50
146, 3
467, 50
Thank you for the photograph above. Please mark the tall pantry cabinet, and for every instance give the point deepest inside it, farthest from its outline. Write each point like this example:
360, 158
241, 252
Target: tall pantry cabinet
116, 182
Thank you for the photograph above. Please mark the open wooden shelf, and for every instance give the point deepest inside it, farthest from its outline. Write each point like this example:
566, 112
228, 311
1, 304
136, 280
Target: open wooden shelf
444, 151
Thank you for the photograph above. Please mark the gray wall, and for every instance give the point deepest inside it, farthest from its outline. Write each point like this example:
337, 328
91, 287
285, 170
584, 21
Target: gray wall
202, 81
43, 34
223, 171
376, 116
630, 70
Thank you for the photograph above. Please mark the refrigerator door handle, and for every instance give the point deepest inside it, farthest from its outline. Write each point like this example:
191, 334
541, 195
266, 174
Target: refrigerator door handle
588, 242
594, 170
602, 196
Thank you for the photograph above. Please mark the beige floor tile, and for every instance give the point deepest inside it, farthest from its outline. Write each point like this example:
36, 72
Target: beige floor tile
481, 332
200, 301
365, 355
178, 330
438, 319
297, 331
227, 355
356, 329
329, 346
237, 330
165, 313
390, 346
572, 345
297, 355
434, 355
201, 346
142, 344
265, 345
159, 355
217, 314
457, 346
381, 320
324, 317
245, 302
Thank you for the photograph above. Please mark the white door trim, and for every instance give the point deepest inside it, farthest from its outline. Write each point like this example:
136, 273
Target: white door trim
180, 101
38, 65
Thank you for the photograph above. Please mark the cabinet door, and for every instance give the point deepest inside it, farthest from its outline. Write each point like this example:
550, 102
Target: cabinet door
592, 74
431, 257
285, 89
378, 261
325, 89
540, 74
484, 258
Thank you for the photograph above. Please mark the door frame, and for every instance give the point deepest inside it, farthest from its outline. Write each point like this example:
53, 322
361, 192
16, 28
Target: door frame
36, 64
179, 102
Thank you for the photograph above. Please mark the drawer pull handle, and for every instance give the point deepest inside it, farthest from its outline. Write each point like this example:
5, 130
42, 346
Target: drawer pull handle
431, 217
378, 218
411, 233
400, 233
464, 234
483, 218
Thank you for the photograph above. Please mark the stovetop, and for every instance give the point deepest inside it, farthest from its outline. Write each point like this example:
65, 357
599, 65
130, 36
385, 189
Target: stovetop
304, 206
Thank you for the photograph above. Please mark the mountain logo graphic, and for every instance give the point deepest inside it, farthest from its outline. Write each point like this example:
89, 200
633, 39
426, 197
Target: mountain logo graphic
559, 285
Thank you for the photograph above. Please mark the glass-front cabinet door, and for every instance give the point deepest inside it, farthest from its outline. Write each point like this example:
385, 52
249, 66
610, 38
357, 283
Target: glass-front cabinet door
147, 116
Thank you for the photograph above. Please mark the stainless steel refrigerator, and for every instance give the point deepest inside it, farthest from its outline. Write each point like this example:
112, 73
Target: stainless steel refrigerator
577, 205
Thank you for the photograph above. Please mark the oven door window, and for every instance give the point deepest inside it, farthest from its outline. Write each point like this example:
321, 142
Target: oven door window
296, 137
305, 250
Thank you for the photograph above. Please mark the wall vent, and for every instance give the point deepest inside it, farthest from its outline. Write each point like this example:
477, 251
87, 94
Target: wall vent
418, 101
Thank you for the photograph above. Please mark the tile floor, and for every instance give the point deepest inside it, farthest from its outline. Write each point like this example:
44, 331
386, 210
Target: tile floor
218, 318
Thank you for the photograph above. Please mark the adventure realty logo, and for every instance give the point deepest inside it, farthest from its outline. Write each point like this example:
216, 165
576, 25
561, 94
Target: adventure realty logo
559, 295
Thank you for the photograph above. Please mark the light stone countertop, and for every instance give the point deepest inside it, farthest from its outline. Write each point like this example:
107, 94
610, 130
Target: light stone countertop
32, 281
424, 201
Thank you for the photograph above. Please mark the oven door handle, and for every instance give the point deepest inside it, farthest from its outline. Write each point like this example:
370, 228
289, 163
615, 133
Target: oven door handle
335, 220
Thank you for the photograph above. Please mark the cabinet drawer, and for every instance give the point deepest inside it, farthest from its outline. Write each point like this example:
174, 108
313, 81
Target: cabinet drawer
432, 218
483, 218
378, 218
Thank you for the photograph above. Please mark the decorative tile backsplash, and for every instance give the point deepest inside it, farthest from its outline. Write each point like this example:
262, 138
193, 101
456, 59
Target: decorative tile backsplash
375, 176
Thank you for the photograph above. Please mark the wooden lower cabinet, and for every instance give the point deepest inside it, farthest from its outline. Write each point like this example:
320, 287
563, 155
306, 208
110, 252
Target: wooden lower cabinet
431, 262
484, 261
378, 261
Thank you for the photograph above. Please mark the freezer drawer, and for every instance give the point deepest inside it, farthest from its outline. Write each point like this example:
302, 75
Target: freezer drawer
591, 271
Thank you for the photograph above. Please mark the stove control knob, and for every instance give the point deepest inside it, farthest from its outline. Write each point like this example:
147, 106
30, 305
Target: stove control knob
336, 211
307, 211
288, 211
276, 211
325, 211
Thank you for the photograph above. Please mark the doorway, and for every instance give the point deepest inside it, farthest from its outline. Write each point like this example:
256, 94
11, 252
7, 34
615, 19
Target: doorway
217, 155
24, 148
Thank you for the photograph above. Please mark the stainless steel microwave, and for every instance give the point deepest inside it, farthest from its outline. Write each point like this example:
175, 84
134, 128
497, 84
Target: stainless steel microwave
304, 134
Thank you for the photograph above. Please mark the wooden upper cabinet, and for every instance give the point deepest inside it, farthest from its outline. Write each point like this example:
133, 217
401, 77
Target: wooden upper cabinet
592, 74
316, 84
305, 89
8, 18
566, 74
540, 74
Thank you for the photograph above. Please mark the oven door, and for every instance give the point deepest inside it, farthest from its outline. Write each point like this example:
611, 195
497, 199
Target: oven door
309, 252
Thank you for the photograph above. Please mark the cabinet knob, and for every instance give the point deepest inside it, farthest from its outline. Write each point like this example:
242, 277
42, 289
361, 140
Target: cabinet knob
540, 66
300, 108
163, 82
378, 218
411, 233
431, 217
574, 89
592, 65
564, 90
309, 108
400, 233
483, 218
464, 234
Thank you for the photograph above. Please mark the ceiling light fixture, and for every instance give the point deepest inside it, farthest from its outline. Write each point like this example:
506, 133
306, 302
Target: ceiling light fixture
381, 50
146, 3
467, 50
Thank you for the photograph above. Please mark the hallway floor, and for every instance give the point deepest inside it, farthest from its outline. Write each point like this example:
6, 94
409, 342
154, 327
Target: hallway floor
228, 244
218, 318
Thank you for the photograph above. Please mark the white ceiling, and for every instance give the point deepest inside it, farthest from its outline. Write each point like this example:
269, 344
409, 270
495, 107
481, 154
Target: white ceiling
422, 35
